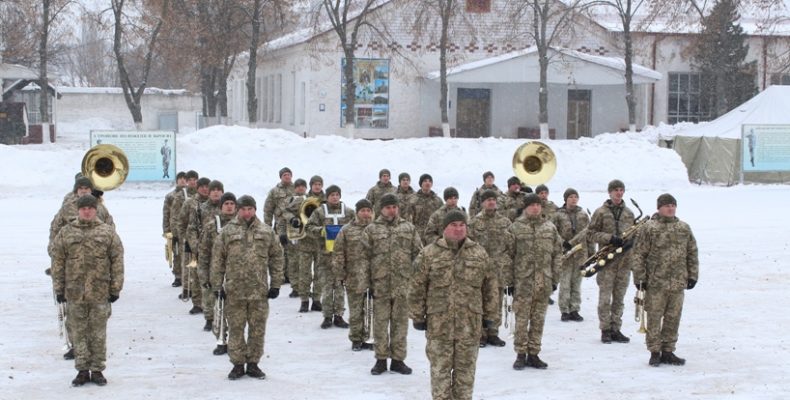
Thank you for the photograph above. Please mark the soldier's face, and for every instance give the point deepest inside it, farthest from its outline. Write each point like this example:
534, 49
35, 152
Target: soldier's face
534, 209
299, 190
489, 180
317, 187
543, 195
215, 195
456, 231
514, 188
286, 178
333, 199
616, 195
426, 185
667, 210
181, 181
203, 190
229, 207
247, 212
365, 214
452, 202
405, 182
389, 212
82, 191
385, 178
192, 183
87, 213
490, 204
572, 201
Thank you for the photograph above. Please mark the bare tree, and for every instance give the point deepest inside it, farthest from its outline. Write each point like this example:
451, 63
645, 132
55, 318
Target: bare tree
90, 61
50, 10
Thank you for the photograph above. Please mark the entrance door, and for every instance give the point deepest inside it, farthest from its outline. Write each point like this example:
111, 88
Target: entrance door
579, 106
473, 114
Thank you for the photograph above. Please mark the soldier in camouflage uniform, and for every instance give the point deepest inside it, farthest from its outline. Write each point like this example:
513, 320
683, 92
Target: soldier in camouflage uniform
513, 201
247, 271
197, 220
391, 245
211, 229
310, 250
665, 262
382, 187
175, 209
291, 217
181, 181
404, 193
548, 206
433, 230
453, 297
607, 225
488, 184
489, 228
422, 204
332, 212
190, 207
571, 222
274, 212
351, 269
87, 272
535, 273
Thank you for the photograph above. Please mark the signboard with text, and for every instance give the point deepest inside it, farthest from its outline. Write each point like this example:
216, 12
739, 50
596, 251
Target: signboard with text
151, 154
765, 148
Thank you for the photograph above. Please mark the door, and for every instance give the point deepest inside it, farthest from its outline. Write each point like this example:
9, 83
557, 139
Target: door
579, 106
473, 113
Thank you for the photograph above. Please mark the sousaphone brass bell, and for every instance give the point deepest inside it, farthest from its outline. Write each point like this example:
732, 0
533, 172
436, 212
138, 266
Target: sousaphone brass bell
106, 166
534, 163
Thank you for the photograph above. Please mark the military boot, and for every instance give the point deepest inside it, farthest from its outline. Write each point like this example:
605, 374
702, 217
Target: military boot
521, 362
176, 283
327, 323
535, 362
304, 307
565, 317
195, 310
69, 355
316, 306
606, 336
237, 372
494, 340
379, 367
98, 378
209, 324
339, 322
618, 337
574, 316
367, 346
551, 301
483, 341
669, 357
655, 359
82, 378
400, 367
255, 372
220, 350
294, 294
356, 346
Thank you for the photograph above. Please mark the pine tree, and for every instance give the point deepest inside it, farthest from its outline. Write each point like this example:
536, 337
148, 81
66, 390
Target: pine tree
727, 81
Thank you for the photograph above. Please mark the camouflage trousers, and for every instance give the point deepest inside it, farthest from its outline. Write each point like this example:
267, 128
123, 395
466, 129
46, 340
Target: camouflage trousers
208, 301
663, 309
88, 330
195, 290
251, 314
390, 327
570, 287
356, 317
177, 259
453, 364
291, 265
612, 285
530, 310
497, 322
333, 299
308, 261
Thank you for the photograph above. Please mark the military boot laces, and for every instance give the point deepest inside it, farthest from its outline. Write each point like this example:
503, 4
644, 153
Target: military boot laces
316, 306
618, 337
339, 322
670, 358
237, 372
400, 367
379, 367
82, 378
209, 323
220, 350
521, 362
535, 362
494, 340
255, 372
606, 336
98, 378
327, 323
655, 359
304, 307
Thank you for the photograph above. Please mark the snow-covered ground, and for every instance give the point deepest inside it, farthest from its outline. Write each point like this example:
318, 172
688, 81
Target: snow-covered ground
733, 332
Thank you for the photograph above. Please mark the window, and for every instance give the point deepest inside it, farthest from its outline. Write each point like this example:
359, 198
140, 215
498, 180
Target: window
279, 98
292, 114
478, 6
685, 100
780, 79
302, 105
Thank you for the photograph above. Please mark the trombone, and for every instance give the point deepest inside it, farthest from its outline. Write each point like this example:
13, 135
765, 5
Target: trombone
640, 315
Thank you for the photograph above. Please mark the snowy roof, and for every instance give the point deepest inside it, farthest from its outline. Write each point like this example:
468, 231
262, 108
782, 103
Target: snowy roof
14, 71
767, 108
117, 90
565, 67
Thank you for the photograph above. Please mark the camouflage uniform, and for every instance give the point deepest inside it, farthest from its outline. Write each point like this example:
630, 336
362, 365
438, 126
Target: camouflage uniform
274, 211
570, 225
433, 229
378, 190
453, 290
309, 250
548, 209
333, 300
166, 217
404, 196
210, 232
474, 204
243, 260
536, 268
175, 210
391, 247
511, 203
68, 213
350, 266
190, 212
490, 229
665, 259
419, 208
87, 268
607, 221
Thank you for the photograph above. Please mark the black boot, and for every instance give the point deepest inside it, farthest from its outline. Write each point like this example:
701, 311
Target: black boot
669, 357
294, 294
574, 315
237, 372
367, 346
521, 362
195, 310
98, 378
535, 362
304, 307
339, 322
316, 306
494, 340
69, 355
483, 341
327, 323
379, 367
176, 282
606, 336
655, 359
400, 367
618, 337
209, 324
565, 317
356, 346
82, 378
220, 350
255, 372
551, 301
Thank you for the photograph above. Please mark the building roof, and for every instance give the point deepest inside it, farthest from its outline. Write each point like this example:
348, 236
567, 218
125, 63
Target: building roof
15, 71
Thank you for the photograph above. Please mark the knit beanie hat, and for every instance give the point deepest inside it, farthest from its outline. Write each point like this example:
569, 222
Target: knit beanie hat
388, 199
364, 203
453, 216
246, 201
227, 196
665, 199
450, 192
568, 193
87, 201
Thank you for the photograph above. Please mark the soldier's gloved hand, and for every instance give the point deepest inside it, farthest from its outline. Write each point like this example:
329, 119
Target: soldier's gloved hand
419, 325
370, 294
207, 285
616, 241
691, 284
113, 298
510, 290
296, 223
283, 239
273, 293
488, 324
566, 246
168, 235
187, 249
60, 299
220, 294
97, 193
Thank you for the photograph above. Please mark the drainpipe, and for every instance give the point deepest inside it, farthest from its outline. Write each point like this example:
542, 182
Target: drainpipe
654, 52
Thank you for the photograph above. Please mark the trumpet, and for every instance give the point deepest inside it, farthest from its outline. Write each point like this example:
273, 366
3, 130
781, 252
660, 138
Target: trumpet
219, 327
640, 315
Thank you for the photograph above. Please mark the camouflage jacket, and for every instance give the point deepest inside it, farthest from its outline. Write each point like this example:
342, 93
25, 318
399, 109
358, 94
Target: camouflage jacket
190, 207
391, 247
210, 232
420, 207
327, 215
377, 191
69, 212
433, 229
87, 262
537, 251
404, 195
571, 225
513, 204
490, 229
474, 204
665, 255
197, 220
275, 204
175, 209
548, 209
610, 220
69, 197
349, 263
453, 289
244, 258
166, 209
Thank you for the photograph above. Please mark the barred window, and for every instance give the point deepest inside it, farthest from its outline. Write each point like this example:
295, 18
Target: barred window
685, 98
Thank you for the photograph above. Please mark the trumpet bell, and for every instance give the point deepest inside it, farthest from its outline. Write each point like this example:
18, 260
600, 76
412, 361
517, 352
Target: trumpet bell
534, 163
106, 166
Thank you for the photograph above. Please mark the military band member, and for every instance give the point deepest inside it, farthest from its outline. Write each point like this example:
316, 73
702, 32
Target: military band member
382, 187
422, 204
488, 184
181, 181
175, 210
87, 272
535, 272
489, 228
324, 224
246, 271
548, 206
274, 212
291, 216
433, 230
309, 249
607, 225
513, 204
391, 244
665, 263
351, 270
190, 207
68, 211
197, 220
454, 295
571, 222
404, 193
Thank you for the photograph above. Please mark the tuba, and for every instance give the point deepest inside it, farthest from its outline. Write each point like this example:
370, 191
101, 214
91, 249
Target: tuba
309, 205
534, 163
106, 166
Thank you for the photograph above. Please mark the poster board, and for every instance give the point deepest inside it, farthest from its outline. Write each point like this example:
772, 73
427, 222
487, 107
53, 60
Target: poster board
765, 148
371, 100
151, 154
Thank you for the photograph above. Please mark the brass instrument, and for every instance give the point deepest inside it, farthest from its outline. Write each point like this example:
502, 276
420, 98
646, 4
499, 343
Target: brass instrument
62, 332
106, 166
219, 327
309, 205
640, 315
367, 323
169, 249
508, 322
534, 163
609, 253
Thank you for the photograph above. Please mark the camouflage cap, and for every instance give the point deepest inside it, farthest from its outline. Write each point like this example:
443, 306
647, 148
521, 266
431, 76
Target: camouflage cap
227, 196
388, 199
568, 193
87, 201
333, 189
615, 184
450, 192
453, 216
665, 199
82, 182
531, 199
364, 203
541, 188
246, 201
215, 184
487, 194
